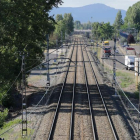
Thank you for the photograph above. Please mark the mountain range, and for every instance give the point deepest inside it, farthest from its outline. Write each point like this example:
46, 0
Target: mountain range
98, 12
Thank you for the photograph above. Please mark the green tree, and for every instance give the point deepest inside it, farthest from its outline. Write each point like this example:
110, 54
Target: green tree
65, 26
95, 29
69, 23
77, 25
60, 28
118, 21
106, 31
102, 30
23, 27
58, 17
133, 16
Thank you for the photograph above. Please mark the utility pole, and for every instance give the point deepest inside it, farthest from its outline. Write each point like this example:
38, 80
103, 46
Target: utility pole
65, 44
138, 105
24, 100
91, 27
61, 46
137, 88
138, 131
56, 59
114, 65
47, 60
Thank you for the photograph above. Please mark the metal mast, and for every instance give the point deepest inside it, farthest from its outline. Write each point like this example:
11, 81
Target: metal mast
24, 100
114, 65
47, 60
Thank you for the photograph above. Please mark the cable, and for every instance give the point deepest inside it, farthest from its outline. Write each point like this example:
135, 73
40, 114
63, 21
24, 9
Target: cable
44, 62
11, 86
126, 96
35, 67
119, 62
31, 66
30, 112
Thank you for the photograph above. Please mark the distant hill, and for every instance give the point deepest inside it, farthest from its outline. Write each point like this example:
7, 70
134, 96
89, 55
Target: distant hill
98, 12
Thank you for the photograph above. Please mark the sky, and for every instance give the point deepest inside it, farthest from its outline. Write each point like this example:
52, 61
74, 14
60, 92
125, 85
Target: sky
117, 4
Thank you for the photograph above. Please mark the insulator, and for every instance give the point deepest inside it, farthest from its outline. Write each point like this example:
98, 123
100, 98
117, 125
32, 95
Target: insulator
48, 84
24, 104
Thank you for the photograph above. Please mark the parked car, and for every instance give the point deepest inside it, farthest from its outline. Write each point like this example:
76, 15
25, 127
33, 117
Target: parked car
117, 51
125, 46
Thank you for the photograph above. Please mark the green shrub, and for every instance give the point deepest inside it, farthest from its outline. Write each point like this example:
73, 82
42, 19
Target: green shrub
7, 101
11, 123
3, 116
136, 94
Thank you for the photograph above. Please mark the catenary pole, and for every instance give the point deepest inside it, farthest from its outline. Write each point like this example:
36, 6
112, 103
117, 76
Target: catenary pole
24, 100
47, 60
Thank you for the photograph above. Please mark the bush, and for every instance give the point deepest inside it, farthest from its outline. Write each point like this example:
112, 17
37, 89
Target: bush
131, 39
3, 116
7, 101
136, 93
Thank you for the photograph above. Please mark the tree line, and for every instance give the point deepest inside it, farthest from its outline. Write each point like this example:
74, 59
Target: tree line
106, 30
82, 26
64, 26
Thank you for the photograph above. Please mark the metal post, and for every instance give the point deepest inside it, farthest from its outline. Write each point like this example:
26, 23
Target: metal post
138, 117
114, 65
138, 105
47, 60
65, 45
138, 67
65, 36
62, 45
56, 59
103, 61
24, 100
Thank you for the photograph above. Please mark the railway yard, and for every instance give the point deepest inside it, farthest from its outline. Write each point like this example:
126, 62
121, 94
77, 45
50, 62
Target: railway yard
83, 108
80, 104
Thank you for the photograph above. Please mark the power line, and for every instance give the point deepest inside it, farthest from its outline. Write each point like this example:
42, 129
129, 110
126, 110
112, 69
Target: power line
11, 85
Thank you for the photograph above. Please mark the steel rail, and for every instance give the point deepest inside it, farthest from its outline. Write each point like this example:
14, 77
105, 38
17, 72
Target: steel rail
73, 100
94, 130
104, 104
59, 101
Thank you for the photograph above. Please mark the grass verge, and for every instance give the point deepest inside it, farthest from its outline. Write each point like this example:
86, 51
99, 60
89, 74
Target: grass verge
125, 78
14, 133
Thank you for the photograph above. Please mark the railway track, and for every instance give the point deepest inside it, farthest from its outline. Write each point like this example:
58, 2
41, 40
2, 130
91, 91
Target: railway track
73, 101
82, 116
117, 113
81, 111
94, 130
99, 100
67, 93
